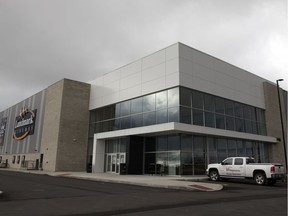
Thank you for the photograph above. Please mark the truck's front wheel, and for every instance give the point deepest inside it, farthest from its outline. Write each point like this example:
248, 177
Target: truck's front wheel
260, 178
214, 175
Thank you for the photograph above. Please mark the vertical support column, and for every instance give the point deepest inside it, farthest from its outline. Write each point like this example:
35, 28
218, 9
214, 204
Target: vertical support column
273, 121
98, 155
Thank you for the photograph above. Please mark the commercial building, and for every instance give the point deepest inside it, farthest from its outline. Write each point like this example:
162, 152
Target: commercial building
169, 113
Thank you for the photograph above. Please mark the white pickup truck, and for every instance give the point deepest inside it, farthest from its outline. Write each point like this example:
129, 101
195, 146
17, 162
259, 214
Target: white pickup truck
246, 168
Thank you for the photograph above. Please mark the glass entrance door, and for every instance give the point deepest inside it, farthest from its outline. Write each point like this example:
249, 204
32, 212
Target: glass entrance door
113, 162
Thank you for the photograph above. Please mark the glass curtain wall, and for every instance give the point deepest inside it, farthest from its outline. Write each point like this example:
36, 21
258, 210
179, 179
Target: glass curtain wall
184, 154
179, 105
207, 110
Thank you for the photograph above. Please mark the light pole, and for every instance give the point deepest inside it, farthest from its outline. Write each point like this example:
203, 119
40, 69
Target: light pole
282, 124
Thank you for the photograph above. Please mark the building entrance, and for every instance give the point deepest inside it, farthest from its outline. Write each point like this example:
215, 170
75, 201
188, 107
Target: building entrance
113, 162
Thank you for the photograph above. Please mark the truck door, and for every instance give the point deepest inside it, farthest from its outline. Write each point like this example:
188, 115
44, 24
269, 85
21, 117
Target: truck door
226, 167
238, 168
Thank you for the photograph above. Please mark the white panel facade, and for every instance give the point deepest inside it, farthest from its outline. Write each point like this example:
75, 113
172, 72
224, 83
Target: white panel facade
152, 73
205, 73
176, 65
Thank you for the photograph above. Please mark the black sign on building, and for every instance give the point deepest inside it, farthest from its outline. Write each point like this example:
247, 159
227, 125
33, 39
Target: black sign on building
24, 124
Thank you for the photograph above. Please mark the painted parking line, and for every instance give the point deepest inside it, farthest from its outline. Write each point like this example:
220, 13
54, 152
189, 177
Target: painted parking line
201, 187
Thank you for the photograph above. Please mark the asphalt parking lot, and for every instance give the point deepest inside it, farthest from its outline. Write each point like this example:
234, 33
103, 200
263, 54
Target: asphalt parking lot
31, 195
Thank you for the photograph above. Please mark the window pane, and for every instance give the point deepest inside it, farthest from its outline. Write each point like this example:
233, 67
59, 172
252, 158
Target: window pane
118, 110
185, 115
261, 129
232, 148
123, 144
185, 97
260, 115
107, 126
107, 112
222, 149
125, 108
92, 116
197, 100
173, 142
161, 116
173, 114
248, 126
150, 163
212, 150
186, 142
220, 121
136, 121
198, 117
174, 163
247, 112
136, 105
99, 114
219, 105
209, 119
254, 128
161, 163
126, 122
238, 108
186, 163
229, 108
92, 129
162, 143
239, 125
149, 118
253, 114
161, 100
150, 144
209, 103
173, 97
240, 148
230, 123
117, 124
111, 146
199, 155
99, 127
249, 149
149, 103
198, 142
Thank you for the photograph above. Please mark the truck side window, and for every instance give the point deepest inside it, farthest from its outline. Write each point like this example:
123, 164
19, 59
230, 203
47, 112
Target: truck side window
250, 160
227, 161
238, 161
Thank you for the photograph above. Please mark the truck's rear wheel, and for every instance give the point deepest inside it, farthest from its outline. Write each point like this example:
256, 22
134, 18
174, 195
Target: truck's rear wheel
260, 178
214, 175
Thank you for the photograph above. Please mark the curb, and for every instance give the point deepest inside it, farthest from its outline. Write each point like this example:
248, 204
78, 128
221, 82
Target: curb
191, 187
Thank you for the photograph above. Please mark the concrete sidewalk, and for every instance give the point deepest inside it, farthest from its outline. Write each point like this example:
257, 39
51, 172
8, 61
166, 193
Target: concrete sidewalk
192, 183
186, 183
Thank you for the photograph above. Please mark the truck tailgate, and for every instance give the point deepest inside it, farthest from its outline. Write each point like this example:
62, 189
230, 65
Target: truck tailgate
279, 169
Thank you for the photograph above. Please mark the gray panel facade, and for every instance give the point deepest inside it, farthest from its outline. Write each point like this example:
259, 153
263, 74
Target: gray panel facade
31, 143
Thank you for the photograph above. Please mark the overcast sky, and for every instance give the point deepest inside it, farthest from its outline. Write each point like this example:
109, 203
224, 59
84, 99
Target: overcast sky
44, 41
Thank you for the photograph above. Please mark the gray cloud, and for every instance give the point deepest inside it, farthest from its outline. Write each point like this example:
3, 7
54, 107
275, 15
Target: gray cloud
42, 42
